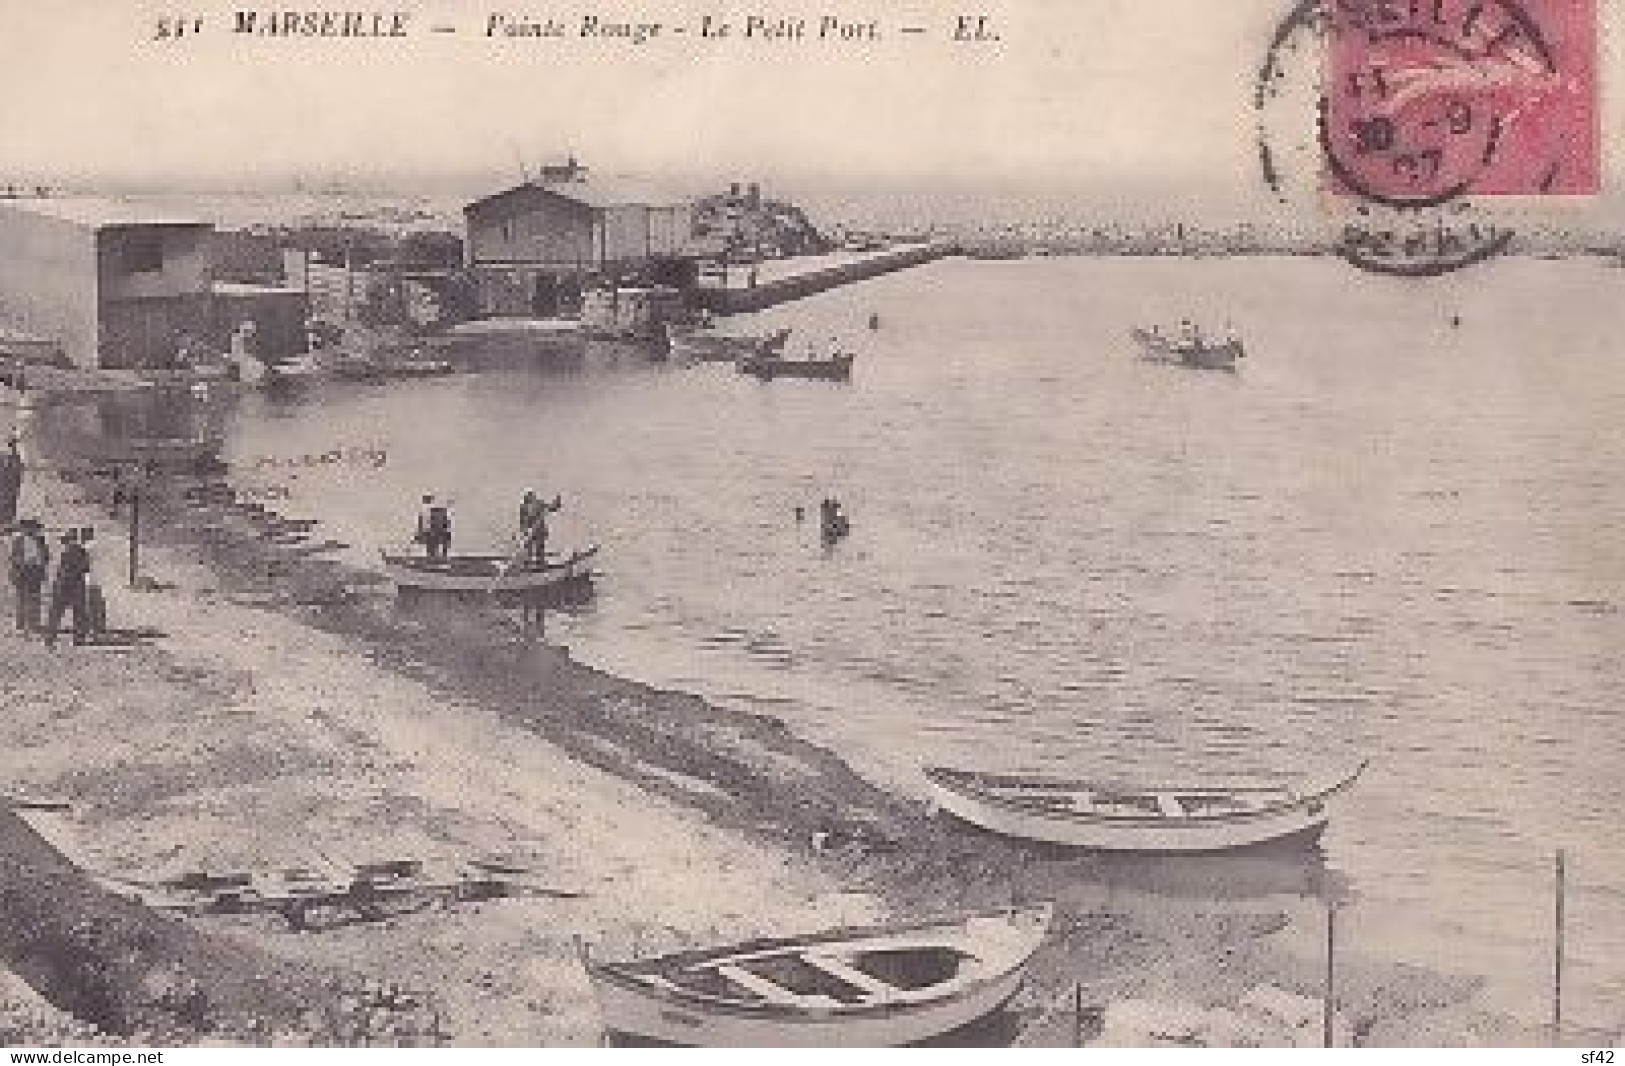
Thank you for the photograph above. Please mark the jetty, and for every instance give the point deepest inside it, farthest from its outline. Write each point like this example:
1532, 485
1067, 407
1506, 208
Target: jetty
779, 281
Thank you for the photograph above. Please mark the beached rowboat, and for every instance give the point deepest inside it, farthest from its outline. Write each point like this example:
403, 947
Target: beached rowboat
835, 368
486, 573
1129, 818
875, 987
1201, 355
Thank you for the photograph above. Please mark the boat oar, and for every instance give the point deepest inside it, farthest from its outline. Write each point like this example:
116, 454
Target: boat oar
508, 564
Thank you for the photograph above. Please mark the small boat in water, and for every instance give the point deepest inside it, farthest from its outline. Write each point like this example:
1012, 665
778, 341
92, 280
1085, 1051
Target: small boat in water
487, 573
873, 987
374, 368
1203, 355
1114, 817
701, 345
766, 368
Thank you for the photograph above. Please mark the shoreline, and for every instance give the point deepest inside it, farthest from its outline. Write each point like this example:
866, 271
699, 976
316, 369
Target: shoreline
437, 731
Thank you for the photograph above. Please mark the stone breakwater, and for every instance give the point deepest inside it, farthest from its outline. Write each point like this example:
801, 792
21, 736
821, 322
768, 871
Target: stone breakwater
800, 281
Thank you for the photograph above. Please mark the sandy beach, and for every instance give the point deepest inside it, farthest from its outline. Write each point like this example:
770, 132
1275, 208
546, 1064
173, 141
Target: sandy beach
274, 716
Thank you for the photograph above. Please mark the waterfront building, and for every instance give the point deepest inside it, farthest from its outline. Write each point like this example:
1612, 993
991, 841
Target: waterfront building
536, 247
115, 283
118, 284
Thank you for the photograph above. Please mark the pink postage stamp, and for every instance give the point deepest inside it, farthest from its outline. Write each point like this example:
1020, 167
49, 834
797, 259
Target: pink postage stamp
1429, 100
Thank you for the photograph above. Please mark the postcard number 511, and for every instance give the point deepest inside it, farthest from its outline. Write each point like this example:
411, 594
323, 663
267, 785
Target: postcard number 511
168, 29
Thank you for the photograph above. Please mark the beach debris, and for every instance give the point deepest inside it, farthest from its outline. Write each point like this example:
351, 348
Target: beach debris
311, 899
23, 803
1303, 1015
1265, 1016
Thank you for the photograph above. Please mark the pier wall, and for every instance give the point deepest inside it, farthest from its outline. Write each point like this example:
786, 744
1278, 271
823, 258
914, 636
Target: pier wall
796, 285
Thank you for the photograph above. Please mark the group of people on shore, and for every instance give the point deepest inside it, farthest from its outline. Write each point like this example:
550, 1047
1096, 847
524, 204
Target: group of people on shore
434, 527
73, 592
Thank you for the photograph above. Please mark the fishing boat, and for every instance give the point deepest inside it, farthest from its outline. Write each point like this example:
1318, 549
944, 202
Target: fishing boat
1114, 817
700, 345
385, 368
1202, 355
766, 367
487, 573
182, 454
873, 987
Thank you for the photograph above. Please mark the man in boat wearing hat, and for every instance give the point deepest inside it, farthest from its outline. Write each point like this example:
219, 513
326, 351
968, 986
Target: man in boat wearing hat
533, 512
30, 561
434, 528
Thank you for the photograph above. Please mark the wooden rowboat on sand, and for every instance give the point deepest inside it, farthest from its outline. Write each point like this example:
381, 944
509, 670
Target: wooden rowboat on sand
487, 573
1131, 818
873, 987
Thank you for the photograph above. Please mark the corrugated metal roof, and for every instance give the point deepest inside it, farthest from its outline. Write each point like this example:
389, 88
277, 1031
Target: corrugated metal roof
243, 288
599, 193
100, 212
12, 335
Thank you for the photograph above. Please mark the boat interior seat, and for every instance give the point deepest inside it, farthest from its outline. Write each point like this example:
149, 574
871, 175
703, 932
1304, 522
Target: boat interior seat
770, 992
875, 987
1169, 805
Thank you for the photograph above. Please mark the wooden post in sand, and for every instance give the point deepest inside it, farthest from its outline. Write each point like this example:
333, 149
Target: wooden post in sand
1077, 1014
1557, 953
135, 532
1327, 1011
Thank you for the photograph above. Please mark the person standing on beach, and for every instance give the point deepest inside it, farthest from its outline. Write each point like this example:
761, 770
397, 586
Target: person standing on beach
11, 482
30, 561
533, 512
95, 604
68, 590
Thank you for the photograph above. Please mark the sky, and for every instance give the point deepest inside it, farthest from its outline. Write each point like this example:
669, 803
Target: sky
1134, 99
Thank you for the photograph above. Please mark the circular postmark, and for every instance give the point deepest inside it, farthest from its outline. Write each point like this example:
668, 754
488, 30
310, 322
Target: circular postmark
1401, 114
1422, 97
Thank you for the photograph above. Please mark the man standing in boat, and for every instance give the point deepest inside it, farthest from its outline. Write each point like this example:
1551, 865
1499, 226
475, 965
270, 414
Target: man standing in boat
434, 528
533, 512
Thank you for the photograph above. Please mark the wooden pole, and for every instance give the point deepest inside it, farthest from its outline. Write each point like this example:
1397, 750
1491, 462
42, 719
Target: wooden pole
135, 533
1331, 975
1077, 1014
1557, 954
349, 282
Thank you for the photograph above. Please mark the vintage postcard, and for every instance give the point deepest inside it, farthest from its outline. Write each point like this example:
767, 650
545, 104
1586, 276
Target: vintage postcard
789, 524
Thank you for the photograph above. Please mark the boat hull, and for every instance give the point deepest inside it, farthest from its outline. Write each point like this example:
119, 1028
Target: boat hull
956, 793
1205, 357
633, 1012
367, 371
699, 347
636, 1000
485, 574
837, 369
